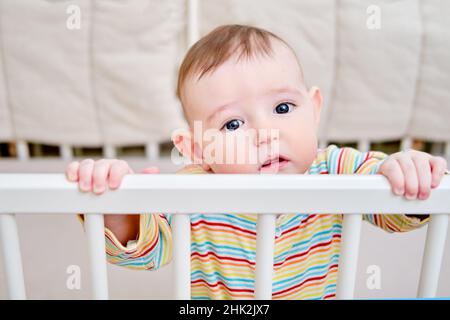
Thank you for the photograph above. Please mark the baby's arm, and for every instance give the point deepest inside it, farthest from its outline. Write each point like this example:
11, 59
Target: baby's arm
412, 174
352, 161
138, 241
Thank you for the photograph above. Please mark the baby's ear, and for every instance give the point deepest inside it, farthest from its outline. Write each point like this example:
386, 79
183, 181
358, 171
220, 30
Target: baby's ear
316, 98
183, 140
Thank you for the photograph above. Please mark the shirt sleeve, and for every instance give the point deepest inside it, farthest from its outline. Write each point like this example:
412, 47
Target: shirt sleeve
153, 247
351, 161
150, 251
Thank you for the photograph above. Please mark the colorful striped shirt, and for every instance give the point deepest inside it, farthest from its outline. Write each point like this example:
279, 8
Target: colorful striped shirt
223, 247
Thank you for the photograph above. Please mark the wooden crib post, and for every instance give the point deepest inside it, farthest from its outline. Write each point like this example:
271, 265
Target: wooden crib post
192, 27
66, 152
348, 260
265, 246
432, 256
95, 229
152, 151
23, 153
181, 230
12, 261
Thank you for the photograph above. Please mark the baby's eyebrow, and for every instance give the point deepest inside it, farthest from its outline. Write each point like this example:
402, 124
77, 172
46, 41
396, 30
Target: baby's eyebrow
219, 110
285, 90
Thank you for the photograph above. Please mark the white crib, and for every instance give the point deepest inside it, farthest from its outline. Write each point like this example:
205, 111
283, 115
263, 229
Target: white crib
51, 193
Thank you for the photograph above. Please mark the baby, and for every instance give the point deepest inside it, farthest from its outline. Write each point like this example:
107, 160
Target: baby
244, 86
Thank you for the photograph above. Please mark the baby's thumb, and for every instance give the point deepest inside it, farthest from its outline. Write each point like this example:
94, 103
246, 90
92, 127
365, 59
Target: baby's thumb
151, 170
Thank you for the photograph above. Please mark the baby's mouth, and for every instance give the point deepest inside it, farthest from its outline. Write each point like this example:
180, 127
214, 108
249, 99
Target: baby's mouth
274, 163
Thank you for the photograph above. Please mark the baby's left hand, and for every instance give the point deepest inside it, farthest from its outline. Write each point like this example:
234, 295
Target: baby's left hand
413, 173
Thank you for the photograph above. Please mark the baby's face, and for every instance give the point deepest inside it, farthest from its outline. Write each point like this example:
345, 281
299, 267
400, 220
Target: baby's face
254, 115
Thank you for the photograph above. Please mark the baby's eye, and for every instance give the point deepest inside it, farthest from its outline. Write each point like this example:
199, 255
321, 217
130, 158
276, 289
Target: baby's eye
232, 125
283, 108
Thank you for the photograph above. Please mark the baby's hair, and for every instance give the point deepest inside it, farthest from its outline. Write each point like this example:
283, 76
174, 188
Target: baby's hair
214, 49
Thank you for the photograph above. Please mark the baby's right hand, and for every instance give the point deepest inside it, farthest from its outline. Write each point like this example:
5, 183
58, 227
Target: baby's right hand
96, 175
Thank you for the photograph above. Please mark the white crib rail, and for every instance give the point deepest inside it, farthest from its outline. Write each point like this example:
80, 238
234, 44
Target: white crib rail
347, 194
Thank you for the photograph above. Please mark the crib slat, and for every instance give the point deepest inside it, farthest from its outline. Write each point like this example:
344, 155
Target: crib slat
265, 246
96, 240
323, 144
364, 145
447, 151
432, 257
348, 260
109, 152
192, 16
12, 261
406, 144
22, 150
152, 151
66, 152
181, 230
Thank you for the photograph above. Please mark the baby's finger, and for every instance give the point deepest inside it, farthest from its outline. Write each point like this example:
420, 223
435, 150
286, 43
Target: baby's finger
100, 175
118, 170
410, 176
423, 170
393, 172
85, 175
438, 168
72, 171
151, 170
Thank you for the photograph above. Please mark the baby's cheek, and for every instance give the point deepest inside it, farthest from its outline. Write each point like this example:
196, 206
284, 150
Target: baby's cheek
304, 152
231, 154
306, 160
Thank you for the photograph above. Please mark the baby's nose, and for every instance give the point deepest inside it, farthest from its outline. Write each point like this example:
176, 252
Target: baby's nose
266, 136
